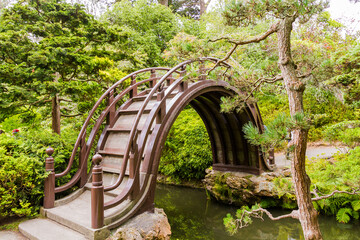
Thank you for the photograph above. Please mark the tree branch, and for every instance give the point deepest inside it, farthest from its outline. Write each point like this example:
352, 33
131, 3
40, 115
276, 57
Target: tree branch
74, 115
354, 192
293, 214
273, 28
65, 100
260, 81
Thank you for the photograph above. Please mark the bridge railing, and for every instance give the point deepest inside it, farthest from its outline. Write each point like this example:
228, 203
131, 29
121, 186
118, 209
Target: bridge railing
158, 110
84, 143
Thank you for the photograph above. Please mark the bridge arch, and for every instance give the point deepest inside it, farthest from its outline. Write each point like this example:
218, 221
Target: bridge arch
131, 129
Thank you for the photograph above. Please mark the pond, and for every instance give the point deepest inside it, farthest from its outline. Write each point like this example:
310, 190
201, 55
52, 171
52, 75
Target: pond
193, 216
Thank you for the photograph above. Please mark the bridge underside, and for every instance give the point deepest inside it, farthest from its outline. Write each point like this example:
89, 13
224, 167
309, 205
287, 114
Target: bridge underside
230, 150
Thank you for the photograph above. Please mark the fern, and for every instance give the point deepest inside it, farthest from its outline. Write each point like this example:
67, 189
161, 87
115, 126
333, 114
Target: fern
356, 205
355, 215
343, 215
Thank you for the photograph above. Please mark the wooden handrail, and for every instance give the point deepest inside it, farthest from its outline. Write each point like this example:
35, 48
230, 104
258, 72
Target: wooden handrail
156, 108
97, 125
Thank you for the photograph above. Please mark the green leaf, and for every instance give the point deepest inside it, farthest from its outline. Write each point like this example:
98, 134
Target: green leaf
343, 215
356, 205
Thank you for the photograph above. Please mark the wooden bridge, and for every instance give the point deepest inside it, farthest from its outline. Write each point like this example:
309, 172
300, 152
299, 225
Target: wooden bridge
124, 134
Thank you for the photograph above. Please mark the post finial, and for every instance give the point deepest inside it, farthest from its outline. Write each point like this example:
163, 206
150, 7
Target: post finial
49, 151
97, 158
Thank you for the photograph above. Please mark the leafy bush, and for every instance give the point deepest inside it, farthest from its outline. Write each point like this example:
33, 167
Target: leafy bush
347, 132
21, 187
187, 151
22, 170
341, 175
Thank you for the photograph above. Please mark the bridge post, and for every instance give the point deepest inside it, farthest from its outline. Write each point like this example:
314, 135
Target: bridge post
97, 193
152, 83
49, 188
132, 173
169, 80
183, 85
111, 114
82, 160
202, 76
161, 114
133, 92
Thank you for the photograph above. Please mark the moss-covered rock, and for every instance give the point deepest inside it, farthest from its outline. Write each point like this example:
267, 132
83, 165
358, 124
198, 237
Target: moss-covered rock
271, 189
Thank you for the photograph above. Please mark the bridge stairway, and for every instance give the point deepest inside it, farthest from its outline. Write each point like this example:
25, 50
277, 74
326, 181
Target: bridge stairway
71, 216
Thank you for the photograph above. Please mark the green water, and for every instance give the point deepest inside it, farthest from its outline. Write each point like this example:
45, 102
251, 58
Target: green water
192, 216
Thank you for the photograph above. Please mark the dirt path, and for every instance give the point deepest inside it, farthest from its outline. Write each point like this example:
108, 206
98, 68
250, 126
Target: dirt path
311, 152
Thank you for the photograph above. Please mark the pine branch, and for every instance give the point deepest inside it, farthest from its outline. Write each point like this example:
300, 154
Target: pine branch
65, 100
258, 213
273, 28
260, 81
74, 115
317, 198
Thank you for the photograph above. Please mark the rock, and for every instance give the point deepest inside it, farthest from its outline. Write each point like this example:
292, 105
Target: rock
237, 182
236, 189
149, 226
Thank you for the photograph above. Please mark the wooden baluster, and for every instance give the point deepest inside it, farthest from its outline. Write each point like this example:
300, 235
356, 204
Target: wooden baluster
111, 114
169, 80
162, 111
152, 83
271, 157
83, 161
184, 84
133, 92
49, 188
97, 193
132, 173
202, 72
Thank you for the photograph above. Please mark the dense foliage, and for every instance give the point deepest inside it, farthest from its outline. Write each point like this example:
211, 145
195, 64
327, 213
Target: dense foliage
53, 48
22, 160
187, 152
340, 174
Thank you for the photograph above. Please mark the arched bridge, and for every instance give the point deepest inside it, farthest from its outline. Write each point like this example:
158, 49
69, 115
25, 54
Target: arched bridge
127, 129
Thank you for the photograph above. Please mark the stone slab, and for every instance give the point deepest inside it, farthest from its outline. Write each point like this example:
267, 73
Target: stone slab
45, 229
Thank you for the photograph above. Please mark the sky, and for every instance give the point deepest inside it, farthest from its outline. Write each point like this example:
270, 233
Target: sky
345, 12
341, 10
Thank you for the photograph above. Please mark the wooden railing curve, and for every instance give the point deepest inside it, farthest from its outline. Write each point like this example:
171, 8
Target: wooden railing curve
97, 125
144, 134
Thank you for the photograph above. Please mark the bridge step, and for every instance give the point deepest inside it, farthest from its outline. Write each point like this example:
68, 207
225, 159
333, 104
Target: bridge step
77, 215
45, 229
126, 121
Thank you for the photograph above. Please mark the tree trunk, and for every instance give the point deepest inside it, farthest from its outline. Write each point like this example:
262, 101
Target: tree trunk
202, 7
308, 216
55, 110
55, 115
164, 2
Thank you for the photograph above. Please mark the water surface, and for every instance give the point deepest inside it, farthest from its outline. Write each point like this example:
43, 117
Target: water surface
193, 216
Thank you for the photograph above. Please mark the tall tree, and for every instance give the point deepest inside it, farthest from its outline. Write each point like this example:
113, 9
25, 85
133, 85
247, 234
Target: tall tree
51, 51
149, 27
283, 14
189, 8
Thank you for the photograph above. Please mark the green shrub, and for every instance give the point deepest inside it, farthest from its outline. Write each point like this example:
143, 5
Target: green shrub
343, 174
22, 170
187, 152
348, 132
21, 184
